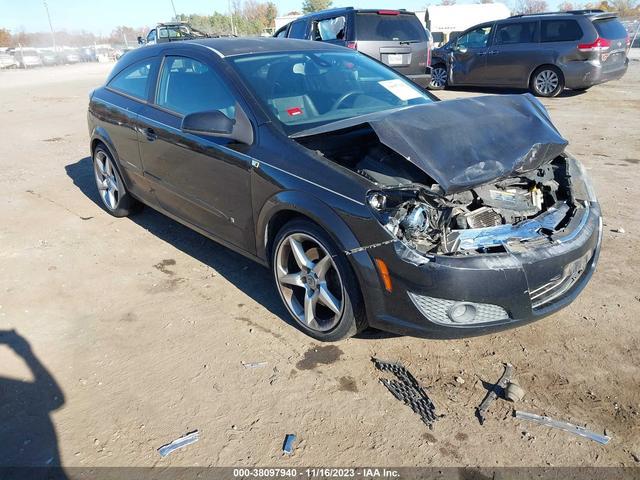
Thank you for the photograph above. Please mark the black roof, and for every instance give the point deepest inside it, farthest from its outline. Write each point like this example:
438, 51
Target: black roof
227, 47
333, 11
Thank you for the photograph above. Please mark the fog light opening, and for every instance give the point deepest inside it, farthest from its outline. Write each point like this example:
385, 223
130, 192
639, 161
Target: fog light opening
462, 312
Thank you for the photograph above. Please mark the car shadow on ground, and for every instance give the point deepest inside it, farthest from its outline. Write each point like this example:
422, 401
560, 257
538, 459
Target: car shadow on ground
245, 274
28, 440
509, 91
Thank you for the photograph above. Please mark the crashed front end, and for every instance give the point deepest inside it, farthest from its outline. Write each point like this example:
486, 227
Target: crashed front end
491, 222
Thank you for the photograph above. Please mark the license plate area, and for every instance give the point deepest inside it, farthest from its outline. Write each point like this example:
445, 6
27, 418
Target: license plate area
395, 59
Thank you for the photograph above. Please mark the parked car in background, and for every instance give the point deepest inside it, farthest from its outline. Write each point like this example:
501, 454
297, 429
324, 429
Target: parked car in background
171, 32
446, 22
542, 52
372, 203
394, 37
7, 61
27, 57
50, 57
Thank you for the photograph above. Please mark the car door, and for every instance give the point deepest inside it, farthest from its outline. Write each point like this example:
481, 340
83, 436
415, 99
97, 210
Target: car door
117, 108
513, 51
468, 57
201, 179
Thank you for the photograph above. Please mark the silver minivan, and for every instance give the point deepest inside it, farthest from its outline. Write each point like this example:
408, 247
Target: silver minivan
394, 37
542, 52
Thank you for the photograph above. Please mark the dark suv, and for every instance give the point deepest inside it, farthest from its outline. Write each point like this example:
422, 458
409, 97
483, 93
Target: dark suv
394, 37
543, 52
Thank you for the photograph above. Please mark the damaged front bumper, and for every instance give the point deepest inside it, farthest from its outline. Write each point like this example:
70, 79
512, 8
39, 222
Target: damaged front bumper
453, 296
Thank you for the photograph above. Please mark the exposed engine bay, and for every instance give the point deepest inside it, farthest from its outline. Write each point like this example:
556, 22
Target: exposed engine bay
415, 209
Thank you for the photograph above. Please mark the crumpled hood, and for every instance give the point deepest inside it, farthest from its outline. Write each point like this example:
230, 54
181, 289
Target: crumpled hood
468, 142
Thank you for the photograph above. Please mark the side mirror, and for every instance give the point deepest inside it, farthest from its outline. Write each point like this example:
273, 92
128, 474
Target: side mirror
217, 124
141, 41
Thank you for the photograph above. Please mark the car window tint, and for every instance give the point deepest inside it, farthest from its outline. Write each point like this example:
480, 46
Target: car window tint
560, 31
476, 38
189, 86
438, 37
298, 30
151, 36
330, 29
610, 28
522, 32
281, 33
133, 79
375, 27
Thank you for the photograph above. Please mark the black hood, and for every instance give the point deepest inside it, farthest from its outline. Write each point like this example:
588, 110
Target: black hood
468, 142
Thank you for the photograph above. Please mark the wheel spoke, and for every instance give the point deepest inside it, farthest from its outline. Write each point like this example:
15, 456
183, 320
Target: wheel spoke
292, 279
112, 198
107, 168
322, 267
328, 300
310, 301
299, 255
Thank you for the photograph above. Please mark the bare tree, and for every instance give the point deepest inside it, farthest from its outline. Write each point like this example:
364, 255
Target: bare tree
5, 37
565, 7
447, 2
525, 7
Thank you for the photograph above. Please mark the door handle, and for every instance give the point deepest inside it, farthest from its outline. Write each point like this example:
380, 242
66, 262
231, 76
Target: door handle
494, 52
150, 134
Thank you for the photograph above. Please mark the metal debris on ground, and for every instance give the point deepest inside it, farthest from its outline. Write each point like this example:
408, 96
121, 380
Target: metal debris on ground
481, 411
254, 364
181, 442
287, 446
408, 390
566, 426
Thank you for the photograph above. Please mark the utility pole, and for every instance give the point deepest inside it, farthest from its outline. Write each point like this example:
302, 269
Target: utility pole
175, 14
53, 35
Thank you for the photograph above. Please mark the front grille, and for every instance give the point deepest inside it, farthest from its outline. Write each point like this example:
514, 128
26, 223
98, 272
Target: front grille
548, 292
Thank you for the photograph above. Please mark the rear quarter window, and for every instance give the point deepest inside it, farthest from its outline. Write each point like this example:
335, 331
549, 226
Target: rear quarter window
560, 31
610, 29
133, 80
376, 27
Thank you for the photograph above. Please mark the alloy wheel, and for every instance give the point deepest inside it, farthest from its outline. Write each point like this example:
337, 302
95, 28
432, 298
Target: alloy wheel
438, 77
107, 180
309, 282
546, 82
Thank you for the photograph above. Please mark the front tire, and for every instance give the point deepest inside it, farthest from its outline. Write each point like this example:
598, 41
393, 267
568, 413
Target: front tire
316, 282
113, 194
438, 77
547, 81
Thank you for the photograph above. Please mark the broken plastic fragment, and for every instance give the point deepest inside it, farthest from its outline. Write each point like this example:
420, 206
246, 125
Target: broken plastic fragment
566, 426
181, 442
287, 446
254, 364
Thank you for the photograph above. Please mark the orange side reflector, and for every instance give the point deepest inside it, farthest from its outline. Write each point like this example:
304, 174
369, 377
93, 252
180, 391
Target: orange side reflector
384, 274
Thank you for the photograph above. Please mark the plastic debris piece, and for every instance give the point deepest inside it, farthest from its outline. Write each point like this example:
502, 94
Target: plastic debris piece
181, 442
254, 364
481, 411
287, 446
566, 426
408, 390
514, 391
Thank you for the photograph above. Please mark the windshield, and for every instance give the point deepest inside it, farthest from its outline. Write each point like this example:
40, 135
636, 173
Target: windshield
310, 89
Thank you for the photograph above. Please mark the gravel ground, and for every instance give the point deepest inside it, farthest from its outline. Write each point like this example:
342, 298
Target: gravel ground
138, 327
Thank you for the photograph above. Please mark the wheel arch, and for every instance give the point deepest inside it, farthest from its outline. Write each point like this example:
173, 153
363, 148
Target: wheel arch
535, 69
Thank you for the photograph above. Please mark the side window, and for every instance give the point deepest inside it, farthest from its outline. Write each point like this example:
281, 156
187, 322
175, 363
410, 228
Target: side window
282, 33
151, 37
330, 29
438, 37
512, 33
133, 80
560, 31
189, 86
298, 30
476, 38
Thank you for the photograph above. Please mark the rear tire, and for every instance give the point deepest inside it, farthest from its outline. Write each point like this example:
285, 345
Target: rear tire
316, 282
547, 81
439, 77
113, 194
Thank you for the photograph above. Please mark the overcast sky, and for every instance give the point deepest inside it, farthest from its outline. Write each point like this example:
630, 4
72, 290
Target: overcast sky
100, 17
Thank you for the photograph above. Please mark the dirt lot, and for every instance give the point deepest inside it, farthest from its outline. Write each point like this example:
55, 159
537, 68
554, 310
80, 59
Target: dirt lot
143, 325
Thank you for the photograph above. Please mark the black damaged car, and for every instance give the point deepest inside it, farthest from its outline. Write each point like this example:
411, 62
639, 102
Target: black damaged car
372, 203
